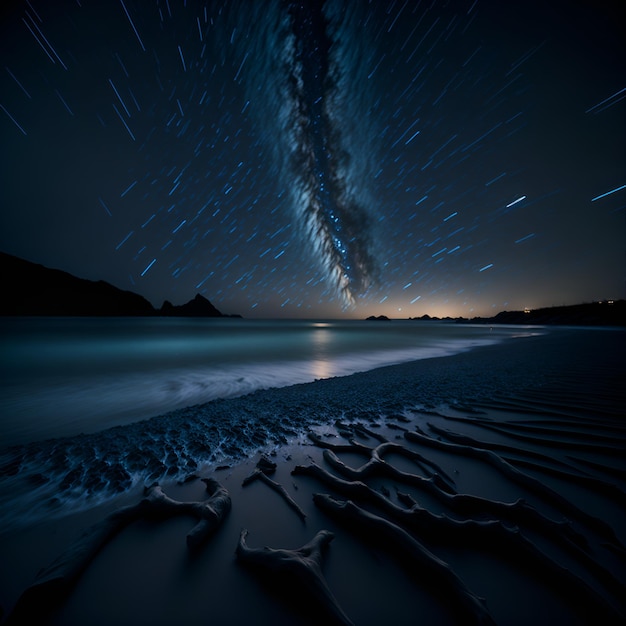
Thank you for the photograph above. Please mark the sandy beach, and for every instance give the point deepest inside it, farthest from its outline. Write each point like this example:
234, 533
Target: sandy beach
484, 487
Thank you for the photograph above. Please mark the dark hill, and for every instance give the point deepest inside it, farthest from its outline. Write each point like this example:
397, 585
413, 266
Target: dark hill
32, 289
605, 313
198, 307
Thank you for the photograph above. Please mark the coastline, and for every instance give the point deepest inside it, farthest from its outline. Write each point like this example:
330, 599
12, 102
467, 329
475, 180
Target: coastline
571, 376
61, 377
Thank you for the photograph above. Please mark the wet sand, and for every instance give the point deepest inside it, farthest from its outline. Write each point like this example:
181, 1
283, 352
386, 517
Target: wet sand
537, 418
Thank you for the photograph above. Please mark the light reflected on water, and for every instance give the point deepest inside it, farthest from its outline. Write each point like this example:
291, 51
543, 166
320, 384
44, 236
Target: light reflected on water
321, 366
65, 376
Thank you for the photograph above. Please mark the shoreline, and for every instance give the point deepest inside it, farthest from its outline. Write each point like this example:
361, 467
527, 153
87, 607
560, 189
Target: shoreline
227, 430
569, 376
51, 388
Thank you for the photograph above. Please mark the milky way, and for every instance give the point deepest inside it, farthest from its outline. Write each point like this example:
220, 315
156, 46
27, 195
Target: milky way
297, 64
318, 158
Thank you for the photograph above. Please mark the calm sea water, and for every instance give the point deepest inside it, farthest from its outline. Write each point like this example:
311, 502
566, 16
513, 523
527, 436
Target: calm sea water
64, 376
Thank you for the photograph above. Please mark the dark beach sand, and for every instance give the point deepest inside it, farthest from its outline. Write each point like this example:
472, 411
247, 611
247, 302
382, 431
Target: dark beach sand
539, 418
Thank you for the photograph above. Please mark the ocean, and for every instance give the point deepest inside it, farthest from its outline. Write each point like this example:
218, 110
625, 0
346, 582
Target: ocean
60, 377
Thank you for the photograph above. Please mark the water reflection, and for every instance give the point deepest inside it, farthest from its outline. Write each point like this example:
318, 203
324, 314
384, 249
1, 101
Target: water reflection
59, 377
321, 365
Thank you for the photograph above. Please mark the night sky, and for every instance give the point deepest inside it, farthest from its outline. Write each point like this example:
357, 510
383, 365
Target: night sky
319, 159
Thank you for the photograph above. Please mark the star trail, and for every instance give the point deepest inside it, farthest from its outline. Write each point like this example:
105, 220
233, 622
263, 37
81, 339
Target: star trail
319, 158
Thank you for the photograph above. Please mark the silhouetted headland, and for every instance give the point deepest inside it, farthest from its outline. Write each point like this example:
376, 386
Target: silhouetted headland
603, 313
198, 307
30, 289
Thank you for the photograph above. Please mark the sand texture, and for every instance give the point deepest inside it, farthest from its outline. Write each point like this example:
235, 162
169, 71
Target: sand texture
483, 488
